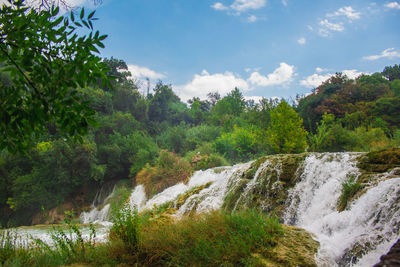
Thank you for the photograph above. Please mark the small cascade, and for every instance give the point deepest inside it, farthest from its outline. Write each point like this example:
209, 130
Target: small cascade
100, 210
209, 198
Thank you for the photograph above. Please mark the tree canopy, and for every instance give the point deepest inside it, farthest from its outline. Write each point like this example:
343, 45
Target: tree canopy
44, 60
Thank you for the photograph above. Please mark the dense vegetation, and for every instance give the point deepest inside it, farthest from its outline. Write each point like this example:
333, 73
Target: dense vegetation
153, 139
158, 140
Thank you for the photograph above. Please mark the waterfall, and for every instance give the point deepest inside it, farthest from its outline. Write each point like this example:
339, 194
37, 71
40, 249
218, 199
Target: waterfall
100, 209
371, 222
307, 198
209, 198
302, 190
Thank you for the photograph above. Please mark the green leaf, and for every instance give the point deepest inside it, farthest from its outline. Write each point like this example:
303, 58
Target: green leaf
91, 14
82, 13
72, 16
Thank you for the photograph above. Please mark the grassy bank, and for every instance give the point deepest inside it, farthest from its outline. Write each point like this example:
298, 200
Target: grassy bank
245, 238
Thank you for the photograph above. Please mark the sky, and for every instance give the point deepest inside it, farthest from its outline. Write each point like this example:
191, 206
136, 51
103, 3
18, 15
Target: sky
266, 48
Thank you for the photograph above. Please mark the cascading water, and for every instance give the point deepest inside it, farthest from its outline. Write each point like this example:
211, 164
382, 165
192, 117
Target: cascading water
358, 235
370, 220
97, 214
209, 198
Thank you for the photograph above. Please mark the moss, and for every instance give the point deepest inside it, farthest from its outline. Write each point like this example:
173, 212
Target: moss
234, 194
270, 189
183, 197
161, 213
374, 167
249, 174
295, 248
380, 161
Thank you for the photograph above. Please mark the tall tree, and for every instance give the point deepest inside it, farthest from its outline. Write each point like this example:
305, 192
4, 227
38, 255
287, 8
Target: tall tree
286, 133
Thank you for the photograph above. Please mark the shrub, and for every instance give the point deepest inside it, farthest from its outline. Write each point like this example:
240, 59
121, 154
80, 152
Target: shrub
169, 170
203, 162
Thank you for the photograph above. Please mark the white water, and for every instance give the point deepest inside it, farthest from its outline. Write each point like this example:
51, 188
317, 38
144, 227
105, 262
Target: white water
25, 235
373, 218
97, 214
210, 198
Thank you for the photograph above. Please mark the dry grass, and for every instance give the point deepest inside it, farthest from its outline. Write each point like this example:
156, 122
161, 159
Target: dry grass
169, 170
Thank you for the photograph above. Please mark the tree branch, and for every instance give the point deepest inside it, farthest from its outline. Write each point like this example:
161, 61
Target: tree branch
21, 71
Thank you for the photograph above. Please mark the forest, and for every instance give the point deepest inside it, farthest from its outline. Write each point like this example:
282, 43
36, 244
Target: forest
158, 140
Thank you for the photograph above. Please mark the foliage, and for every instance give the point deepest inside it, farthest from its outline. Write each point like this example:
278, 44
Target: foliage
286, 133
119, 197
206, 161
350, 188
239, 145
169, 170
45, 60
47, 178
126, 227
392, 72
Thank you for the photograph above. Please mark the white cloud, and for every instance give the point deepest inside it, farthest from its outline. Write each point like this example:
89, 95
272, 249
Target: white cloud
252, 18
394, 5
284, 2
302, 41
245, 5
387, 53
281, 75
255, 98
204, 83
319, 70
318, 78
353, 74
240, 6
315, 80
328, 27
346, 11
219, 6
139, 72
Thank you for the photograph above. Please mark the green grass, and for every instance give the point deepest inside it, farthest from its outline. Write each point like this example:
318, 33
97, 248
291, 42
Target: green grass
214, 238
349, 189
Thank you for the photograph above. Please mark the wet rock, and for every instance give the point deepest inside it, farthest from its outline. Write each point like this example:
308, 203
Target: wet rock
392, 258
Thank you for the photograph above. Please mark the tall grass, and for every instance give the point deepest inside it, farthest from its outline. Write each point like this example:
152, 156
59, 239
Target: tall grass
350, 188
67, 246
213, 239
217, 239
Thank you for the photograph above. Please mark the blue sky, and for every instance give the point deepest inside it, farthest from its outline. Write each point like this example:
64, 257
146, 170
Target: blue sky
267, 48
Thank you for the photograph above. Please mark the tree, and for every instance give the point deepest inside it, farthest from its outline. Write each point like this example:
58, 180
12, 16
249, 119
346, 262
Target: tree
47, 4
392, 73
286, 133
46, 61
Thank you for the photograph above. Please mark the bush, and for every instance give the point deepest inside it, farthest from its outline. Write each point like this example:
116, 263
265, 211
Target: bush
203, 162
169, 170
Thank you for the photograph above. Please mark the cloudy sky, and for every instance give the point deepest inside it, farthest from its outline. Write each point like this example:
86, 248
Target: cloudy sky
269, 48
